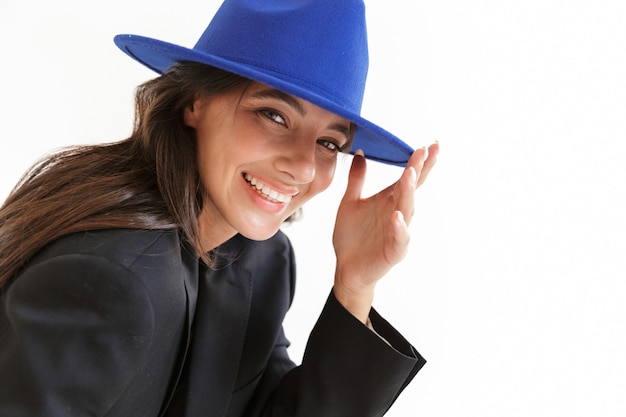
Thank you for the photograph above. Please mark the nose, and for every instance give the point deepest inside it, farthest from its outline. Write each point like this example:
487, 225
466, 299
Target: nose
297, 160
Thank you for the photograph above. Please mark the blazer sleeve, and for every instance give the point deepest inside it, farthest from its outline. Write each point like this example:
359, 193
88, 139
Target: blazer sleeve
74, 335
347, 369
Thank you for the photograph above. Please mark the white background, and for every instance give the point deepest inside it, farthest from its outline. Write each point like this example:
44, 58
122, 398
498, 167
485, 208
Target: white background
514, 286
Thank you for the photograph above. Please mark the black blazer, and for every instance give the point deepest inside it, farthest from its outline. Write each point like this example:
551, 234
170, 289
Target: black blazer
130, 323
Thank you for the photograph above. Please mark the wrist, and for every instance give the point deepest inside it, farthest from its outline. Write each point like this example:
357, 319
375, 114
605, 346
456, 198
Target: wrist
357, 302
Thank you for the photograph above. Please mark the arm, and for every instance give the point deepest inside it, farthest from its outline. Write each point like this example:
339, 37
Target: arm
371, 234
75, 332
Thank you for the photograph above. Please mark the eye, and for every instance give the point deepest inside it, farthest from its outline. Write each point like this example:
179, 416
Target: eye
274, 116
330, 145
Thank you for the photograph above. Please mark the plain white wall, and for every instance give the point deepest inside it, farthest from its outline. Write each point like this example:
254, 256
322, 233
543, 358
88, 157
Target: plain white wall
514, 286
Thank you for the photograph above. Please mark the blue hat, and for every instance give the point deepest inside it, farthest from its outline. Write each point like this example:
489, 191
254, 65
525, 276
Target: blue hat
312, 49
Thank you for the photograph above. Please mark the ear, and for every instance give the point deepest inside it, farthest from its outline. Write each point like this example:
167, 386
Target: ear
192, 113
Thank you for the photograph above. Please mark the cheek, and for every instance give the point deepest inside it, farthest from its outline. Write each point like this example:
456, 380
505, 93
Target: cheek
203, 159
323, 177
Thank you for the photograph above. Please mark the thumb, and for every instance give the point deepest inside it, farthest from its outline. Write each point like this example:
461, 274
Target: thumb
356, 177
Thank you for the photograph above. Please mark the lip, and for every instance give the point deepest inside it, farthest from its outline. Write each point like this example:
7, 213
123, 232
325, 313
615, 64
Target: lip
290, 191
263, 199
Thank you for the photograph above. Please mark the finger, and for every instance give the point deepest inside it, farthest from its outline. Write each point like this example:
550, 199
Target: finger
416, 169
403, 195
356, 177
433, 152
417, 160
398, 240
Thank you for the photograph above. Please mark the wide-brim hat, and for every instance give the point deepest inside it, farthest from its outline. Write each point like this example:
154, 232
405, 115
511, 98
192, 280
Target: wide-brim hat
312, 49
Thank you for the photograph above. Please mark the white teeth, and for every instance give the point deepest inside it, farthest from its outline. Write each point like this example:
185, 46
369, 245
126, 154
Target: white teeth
267, 191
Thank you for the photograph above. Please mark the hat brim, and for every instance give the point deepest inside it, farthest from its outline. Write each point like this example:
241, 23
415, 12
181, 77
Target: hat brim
376, 143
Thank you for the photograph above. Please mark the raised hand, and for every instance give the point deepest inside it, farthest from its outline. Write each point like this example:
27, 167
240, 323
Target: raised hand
371, 234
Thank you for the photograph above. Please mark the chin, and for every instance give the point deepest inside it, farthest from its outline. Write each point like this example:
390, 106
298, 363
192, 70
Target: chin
258, 235
259, 228
254, 231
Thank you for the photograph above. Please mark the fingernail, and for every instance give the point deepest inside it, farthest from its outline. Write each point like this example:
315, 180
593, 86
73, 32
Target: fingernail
359, 152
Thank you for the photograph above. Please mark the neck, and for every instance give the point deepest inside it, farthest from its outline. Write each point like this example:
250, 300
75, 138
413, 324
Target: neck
213, 233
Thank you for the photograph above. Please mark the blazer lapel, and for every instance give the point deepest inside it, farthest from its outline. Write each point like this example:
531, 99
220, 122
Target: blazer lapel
218, 332
190, 274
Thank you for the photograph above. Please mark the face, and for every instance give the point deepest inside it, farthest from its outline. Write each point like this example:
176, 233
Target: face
261, 155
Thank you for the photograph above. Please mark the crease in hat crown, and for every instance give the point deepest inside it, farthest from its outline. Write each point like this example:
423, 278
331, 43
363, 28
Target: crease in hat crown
313, 49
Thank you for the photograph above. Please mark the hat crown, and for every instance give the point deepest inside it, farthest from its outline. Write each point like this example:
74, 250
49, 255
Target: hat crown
321, 44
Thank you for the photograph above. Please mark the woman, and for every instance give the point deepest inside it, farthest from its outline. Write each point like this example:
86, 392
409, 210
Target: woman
149, 277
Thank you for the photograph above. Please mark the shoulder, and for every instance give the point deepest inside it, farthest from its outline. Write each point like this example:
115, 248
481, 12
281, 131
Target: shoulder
122, 246
112, 260
134, 267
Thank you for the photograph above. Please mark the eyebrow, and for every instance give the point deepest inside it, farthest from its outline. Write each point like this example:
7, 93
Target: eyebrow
279, 95
291, 101
344, 130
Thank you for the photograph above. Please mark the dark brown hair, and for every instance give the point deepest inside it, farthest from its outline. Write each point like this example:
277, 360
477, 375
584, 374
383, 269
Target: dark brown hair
148, 181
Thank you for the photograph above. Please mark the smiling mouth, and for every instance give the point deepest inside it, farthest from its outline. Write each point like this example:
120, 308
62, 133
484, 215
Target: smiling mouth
267, 192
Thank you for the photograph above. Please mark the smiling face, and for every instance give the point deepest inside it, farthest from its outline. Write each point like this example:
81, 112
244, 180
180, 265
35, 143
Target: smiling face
261, 155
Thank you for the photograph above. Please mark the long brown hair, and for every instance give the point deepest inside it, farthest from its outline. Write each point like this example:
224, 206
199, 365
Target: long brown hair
148, 181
